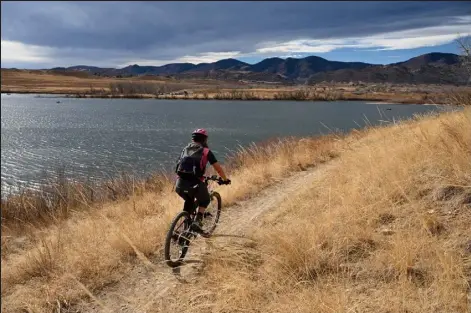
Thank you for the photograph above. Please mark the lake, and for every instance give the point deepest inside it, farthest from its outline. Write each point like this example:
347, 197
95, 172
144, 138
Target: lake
98, 138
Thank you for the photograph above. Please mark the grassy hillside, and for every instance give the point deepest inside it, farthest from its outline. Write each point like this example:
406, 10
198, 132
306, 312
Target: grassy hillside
386, 230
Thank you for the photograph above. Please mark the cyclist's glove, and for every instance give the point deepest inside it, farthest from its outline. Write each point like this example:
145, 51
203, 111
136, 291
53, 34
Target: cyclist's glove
224, 182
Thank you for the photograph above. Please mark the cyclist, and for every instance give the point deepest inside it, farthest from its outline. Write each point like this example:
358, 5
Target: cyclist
190, 169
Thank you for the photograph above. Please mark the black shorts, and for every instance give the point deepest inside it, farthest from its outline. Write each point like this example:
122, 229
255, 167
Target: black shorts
185, 189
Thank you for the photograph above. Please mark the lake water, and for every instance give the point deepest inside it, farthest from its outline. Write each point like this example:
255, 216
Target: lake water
98, 138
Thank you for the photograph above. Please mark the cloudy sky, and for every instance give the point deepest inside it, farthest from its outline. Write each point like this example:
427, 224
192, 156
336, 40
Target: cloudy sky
115, 34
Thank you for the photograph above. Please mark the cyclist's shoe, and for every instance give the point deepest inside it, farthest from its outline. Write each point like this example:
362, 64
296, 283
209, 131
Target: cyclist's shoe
207, 215
197, 225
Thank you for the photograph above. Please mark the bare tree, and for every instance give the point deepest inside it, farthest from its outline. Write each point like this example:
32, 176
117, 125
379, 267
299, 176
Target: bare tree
464, 43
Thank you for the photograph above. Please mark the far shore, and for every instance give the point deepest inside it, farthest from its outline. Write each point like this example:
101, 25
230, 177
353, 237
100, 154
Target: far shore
72, 86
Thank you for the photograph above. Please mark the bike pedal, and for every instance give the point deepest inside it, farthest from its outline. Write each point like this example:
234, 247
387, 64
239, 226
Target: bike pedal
195, 230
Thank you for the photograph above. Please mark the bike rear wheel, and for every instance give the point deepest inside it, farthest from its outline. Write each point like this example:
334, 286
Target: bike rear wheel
214, 209
178, 239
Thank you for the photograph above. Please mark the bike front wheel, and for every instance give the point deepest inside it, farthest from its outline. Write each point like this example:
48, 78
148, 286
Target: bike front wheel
212, 213
178, 239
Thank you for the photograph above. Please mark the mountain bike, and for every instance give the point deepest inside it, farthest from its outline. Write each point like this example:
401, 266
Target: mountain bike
180, 233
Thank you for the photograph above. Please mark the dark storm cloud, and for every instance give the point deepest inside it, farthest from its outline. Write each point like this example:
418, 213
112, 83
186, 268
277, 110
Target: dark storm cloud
168, 30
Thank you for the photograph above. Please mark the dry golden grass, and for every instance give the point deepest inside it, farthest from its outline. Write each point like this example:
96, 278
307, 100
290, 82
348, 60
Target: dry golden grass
386, 230
59, 198
63, 262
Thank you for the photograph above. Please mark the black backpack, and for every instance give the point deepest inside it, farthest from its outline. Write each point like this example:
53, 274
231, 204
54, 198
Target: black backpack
192, 161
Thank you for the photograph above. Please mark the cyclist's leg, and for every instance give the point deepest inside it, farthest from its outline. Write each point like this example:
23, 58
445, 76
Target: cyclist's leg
186, 191
203, 198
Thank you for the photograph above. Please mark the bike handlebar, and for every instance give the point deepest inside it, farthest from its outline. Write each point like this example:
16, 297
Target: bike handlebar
217, 179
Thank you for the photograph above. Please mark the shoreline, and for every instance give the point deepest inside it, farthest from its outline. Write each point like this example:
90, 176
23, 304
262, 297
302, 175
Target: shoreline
102, 183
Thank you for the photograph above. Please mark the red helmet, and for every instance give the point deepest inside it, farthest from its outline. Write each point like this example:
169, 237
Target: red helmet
200, 131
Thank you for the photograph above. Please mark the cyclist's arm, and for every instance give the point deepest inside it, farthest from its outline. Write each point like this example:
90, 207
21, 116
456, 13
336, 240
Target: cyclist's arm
214, 162
219, 170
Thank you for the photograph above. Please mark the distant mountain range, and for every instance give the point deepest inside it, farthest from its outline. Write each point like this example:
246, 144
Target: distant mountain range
432, 68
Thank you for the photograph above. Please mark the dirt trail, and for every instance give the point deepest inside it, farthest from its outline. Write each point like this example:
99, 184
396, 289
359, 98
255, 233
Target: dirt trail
149, 282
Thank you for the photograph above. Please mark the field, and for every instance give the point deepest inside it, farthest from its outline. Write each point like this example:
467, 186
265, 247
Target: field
79, 84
